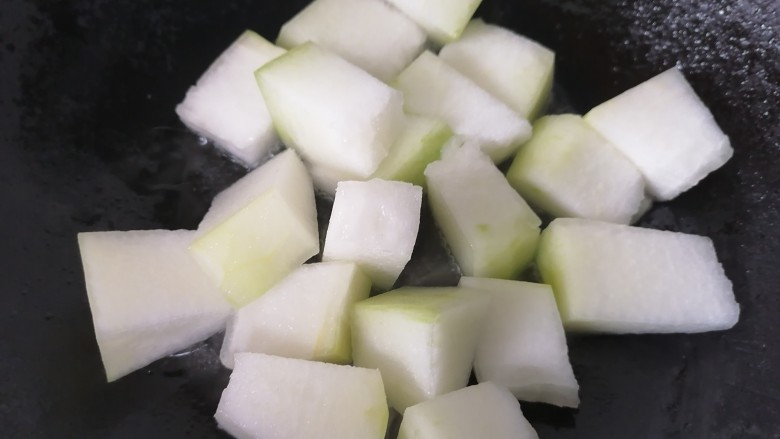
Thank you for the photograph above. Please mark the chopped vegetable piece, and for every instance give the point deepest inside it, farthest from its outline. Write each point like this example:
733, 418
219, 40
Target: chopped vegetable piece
306, 316
623, 279
148, 298
421, 339
568, 170
280, 398
259, 230
419, 144
333, 113
666, 130
370, 34
490, 229
523, 345
226, 106
374, 224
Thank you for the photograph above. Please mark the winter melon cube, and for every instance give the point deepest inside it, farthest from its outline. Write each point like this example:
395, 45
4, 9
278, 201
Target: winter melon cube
306, 315
523, 345
148, 298
374, 224
666, 130
259, 230
226, 106
280, 398
490, 229
623, 279
421, 339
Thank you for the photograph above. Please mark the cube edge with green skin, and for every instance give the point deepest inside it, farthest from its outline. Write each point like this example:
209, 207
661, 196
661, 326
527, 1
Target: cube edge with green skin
341, 352
217, 249
274, 198
403, 163
399, 299
425, 308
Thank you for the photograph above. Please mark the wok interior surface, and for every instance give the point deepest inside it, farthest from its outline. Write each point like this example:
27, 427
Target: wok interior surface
90, 141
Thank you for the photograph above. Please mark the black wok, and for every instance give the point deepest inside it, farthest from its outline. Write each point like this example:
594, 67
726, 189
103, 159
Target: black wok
90, 142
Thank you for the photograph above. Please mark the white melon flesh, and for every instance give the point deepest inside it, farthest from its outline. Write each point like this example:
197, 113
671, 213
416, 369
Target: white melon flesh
305, 316
482, 411
523, 344
568, 170
259, 229
148, 298
666, 130
420, 143
514, 69
490, 229
623, 279
333, 113
271, 397
374, 224
226, 106
421, 339
367, 33
443, 20
433, 88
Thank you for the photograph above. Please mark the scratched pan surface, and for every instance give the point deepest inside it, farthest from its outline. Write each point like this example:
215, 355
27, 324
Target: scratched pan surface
90, 142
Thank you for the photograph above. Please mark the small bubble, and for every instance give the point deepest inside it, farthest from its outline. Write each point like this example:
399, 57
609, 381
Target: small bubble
202, 141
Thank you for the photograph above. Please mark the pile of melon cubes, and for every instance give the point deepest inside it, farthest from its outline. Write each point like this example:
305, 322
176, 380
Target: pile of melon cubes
370, 114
